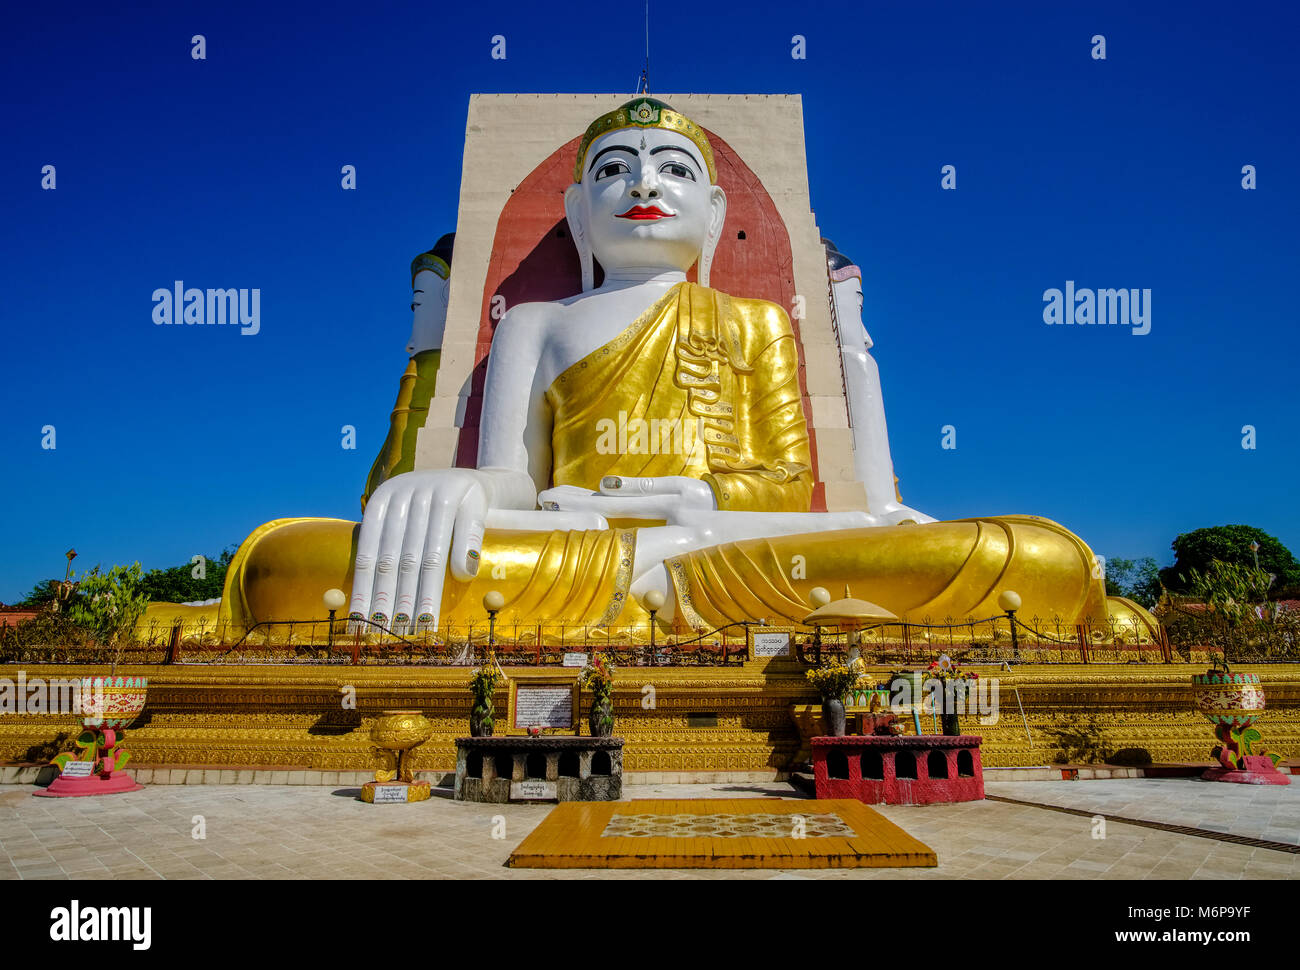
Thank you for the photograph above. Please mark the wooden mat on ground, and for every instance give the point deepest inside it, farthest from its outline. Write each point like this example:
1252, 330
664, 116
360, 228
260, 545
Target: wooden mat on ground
719, 833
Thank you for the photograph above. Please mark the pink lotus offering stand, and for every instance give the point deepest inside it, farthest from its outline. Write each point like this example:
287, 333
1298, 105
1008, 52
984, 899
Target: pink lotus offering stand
1232, 702
109, 704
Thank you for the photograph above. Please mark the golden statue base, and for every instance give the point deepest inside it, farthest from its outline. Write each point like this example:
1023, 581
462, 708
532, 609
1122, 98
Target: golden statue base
706, 724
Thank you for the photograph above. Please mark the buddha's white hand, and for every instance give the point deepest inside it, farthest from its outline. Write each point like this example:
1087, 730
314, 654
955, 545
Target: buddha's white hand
415, 526
624, 497
903, 515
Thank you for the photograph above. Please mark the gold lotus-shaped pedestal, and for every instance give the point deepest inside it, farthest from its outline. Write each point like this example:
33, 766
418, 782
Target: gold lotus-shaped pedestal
396, 734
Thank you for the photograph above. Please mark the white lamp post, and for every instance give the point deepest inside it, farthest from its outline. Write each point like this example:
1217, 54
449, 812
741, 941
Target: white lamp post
334, 600
653, 601
1009, 602
493, 602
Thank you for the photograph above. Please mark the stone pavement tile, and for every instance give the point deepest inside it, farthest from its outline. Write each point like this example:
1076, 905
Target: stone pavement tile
1195, 849
83, 868
1036, 871
63, 853
1167, 870
1128, 872
42, 872
134, 872
1072, 873
1287, 836
1261, 870
1088, 865
1225, 867
32, 861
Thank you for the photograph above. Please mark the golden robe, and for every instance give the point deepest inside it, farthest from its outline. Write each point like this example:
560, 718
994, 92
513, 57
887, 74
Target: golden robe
703, 385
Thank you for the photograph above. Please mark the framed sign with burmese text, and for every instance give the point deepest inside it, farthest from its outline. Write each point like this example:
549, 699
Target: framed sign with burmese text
544, 699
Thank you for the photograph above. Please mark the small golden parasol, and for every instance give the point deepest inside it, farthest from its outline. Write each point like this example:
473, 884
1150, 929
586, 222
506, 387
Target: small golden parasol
848, 614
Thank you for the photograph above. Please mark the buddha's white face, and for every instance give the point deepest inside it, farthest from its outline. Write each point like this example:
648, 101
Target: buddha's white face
430, 294
848, 312
647, 202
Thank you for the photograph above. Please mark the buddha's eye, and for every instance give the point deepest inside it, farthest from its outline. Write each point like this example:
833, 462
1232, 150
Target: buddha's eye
610, 169
678, 170
413, 306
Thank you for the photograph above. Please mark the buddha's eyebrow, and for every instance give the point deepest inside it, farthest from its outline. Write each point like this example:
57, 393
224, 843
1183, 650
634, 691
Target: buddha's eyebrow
609, 148
678, 148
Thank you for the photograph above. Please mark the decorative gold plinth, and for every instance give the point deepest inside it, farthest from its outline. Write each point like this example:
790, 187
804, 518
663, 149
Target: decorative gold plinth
416, 791
703, 720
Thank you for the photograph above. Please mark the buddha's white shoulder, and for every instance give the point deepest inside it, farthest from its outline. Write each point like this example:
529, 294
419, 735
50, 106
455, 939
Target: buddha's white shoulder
528, 320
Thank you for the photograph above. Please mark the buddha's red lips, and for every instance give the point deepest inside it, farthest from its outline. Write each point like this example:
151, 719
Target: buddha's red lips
645, 212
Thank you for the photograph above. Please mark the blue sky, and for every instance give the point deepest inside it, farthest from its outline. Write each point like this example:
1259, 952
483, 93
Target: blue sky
225, 172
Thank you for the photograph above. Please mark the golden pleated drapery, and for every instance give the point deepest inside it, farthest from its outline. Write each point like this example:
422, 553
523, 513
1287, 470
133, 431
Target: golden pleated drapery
703, 385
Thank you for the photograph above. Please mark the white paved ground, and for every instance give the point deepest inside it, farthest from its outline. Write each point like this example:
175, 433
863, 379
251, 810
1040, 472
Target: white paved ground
1270, 812
298, 832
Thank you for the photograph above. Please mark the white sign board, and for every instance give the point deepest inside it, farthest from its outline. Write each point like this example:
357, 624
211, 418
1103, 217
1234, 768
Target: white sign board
575, 660
543, 706
78, 769
389, 793
533, 790
771, 644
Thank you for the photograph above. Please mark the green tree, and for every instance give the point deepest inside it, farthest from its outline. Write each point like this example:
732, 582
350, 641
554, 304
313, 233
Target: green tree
1229, 544
1230, 590
1139, 580
42, 595
109, 604
180, 584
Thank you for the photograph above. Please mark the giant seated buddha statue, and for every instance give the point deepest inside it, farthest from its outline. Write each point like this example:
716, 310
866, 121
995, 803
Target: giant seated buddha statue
648, 433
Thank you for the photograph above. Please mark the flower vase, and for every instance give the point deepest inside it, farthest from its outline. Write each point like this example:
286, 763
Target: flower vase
833, 720
480, 721
601, 719
951, 726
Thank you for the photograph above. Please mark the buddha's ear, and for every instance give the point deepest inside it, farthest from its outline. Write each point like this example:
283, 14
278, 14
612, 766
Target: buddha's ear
717, 216
574, 214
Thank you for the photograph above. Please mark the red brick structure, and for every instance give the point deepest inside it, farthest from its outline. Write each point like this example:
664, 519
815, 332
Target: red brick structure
12, 616
896, 770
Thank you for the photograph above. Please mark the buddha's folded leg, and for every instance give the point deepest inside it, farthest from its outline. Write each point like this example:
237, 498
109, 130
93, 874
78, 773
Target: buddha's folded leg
280, 572
941, 571
283, 569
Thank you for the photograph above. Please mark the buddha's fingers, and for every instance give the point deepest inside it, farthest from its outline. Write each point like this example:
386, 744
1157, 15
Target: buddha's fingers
363, 576
408, 565
390, 550
567, 499
688, 492
433, 561
467, 537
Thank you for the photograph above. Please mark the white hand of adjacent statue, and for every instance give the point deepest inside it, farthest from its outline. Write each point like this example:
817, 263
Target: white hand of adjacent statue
415, 526
903, 515
624, 497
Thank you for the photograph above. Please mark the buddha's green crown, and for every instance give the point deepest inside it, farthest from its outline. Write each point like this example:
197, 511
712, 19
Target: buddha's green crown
645, 113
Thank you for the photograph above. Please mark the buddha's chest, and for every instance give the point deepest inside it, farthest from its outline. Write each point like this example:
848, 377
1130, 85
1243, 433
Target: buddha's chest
579, 329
